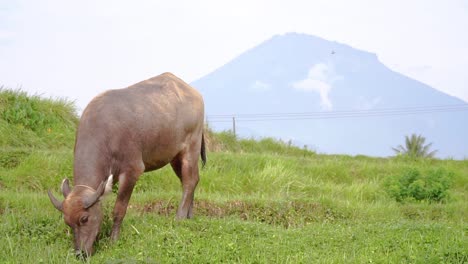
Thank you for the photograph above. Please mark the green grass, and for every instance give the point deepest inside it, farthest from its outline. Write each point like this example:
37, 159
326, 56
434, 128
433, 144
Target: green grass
151, 238
249, 208
35, 122
226, 141
257, 202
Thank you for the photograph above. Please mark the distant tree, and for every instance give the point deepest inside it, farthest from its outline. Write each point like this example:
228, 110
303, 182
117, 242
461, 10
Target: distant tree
414, 147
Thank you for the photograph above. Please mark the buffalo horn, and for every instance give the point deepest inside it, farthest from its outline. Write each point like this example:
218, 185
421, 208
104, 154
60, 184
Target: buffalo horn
57, 204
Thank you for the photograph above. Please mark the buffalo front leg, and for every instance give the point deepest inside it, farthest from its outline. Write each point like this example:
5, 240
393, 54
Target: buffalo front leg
186, 169
126, 183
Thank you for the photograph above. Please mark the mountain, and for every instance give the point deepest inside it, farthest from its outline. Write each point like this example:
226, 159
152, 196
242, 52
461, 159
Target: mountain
351, 102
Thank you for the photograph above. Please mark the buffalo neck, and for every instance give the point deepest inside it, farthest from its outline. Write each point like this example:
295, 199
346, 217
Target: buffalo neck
91, 163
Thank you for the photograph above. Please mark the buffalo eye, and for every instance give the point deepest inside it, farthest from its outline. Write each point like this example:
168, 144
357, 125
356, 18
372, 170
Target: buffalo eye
83, 219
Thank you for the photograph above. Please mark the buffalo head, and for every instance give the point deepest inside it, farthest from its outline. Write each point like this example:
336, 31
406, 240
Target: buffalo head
82, 212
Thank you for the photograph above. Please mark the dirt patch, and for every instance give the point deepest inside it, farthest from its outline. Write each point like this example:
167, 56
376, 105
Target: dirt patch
286, 214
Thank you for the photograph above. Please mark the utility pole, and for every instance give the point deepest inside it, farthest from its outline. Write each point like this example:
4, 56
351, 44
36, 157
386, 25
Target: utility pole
234, 125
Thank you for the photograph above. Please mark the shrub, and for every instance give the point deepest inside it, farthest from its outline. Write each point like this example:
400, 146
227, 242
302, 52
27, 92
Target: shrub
412, 185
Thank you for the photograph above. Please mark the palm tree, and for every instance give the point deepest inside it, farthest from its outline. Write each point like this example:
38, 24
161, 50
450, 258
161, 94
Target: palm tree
414, 147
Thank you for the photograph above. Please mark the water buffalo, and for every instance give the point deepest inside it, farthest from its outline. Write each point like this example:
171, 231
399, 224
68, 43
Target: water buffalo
126, 132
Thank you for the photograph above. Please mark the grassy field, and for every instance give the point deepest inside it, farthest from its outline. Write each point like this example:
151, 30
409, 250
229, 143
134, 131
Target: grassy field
257, 202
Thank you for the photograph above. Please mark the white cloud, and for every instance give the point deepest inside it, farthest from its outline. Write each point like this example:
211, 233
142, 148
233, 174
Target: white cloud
319, 79
364, 103
260, 86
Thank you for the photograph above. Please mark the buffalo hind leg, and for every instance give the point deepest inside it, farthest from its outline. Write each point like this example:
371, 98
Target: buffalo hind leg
185, 165
127, 181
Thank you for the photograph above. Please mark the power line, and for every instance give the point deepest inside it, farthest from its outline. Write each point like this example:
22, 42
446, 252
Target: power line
337, 114
349, 111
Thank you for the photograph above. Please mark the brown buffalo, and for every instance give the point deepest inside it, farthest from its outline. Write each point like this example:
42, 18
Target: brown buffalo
126, 132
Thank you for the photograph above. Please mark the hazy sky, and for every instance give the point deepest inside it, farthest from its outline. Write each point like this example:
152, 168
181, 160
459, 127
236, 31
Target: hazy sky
77, 49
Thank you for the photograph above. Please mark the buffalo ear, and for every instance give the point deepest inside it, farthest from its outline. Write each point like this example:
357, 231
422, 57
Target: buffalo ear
57, 204
65, 188
103, 189
92, 198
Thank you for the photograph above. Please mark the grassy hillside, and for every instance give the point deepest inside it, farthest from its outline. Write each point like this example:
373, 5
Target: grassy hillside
34, 122
257, 202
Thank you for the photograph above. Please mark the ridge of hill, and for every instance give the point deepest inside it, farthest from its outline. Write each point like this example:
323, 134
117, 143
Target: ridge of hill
30, 121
